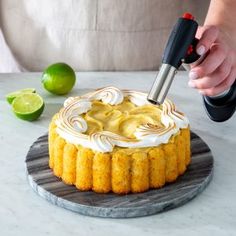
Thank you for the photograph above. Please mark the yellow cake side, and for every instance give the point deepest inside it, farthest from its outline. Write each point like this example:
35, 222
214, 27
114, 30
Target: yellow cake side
171, 161
121, 178
139, 172
157, 167
119, 171
181, 153
58, 156
52, 134
186, 136
102, 172
69, 163
84, 169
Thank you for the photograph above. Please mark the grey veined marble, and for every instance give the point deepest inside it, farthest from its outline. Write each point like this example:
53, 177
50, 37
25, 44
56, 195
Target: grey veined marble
111, 205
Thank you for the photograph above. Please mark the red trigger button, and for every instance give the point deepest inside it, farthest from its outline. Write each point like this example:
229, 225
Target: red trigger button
188, 16
190, 49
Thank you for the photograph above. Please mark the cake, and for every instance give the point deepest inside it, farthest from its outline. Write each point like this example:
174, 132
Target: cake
113, 140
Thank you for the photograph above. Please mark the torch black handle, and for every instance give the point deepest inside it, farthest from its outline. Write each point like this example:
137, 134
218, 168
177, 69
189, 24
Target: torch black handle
180, 41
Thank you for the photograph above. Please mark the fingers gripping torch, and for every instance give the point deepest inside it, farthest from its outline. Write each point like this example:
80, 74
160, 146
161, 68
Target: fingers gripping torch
181, 50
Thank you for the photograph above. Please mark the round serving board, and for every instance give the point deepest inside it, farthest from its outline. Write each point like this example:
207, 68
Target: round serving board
111, 205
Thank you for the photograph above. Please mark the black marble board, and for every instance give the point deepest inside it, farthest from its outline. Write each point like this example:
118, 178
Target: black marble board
111, 205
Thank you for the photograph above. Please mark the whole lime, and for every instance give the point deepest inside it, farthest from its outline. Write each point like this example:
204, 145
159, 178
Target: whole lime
59, 78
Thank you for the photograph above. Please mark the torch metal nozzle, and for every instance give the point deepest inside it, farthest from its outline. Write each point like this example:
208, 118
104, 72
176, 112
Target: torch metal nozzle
162, 84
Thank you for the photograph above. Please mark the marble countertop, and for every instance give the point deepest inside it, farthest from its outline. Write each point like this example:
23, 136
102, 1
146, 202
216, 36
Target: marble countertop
22, 212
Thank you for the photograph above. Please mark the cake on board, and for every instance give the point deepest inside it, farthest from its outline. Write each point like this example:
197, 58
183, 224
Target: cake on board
113, 140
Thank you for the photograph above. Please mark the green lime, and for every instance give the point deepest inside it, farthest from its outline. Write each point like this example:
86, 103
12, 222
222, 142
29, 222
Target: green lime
11, 96
28, 106
59, 78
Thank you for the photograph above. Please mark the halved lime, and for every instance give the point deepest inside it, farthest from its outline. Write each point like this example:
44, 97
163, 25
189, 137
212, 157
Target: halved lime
28, 106
11, 96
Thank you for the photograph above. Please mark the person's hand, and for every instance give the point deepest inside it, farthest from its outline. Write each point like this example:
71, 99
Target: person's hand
218, 70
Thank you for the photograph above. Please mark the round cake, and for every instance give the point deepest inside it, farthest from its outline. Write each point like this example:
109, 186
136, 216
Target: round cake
113, 140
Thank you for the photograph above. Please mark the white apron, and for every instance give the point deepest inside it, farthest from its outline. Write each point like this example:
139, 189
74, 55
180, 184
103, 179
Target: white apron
89, 34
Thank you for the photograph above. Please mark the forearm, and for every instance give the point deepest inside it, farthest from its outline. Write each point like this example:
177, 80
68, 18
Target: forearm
221, 13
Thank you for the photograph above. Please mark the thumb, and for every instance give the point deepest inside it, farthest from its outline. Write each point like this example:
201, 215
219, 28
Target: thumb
208, 35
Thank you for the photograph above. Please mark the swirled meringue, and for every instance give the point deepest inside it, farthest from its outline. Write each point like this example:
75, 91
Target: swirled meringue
109, 95
137, 98
72, 126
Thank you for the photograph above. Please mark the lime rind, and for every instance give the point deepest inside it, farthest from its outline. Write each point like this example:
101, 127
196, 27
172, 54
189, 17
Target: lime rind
11, 96
58, 78
28, 106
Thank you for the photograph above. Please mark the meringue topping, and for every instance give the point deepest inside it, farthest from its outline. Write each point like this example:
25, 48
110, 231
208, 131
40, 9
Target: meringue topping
111, 117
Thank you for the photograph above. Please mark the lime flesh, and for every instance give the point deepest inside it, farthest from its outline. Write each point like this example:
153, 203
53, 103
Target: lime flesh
11, 96
28, 106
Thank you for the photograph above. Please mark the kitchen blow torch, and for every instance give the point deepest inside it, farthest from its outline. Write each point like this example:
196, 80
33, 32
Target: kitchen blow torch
181, 50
